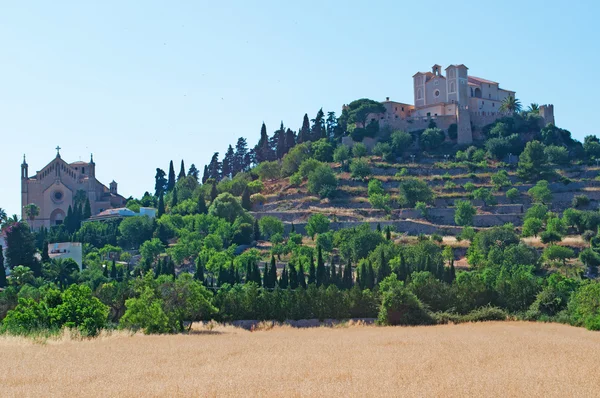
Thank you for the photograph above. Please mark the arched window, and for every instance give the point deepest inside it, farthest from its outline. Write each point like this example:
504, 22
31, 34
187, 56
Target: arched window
451, 73
419, 94
452, 87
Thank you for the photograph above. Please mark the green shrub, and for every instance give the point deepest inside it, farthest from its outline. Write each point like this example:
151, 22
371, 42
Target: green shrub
584, 306
359, 150
360, 168
399, 306
580, 201
512, 194
322, 181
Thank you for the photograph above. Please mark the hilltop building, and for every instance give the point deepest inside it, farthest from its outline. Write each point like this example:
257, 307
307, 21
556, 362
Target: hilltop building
469, 102
54, 187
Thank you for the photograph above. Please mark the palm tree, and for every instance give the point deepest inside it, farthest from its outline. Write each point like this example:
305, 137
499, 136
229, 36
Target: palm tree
62, 271
533, 108
510, 105
32, 210
3, 215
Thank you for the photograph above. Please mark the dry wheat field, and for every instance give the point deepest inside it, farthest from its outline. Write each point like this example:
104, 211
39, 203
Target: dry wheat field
483, 359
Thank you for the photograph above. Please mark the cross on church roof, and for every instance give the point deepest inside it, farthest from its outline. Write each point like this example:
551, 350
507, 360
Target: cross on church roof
58, 148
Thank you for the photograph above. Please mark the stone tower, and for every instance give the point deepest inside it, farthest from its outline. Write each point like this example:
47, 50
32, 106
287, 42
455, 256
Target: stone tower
547, 113
463, 120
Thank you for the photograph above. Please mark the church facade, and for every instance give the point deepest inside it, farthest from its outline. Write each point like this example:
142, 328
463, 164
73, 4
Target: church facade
54, 187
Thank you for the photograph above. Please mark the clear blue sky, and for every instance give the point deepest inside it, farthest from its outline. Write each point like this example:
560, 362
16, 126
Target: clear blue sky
141, 83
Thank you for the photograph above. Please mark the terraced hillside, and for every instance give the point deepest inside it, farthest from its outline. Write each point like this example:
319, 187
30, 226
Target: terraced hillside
350, 205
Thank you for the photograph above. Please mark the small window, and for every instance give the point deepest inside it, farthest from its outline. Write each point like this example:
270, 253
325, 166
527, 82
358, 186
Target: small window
428, 113
490, 96
402, 109
83, 170
419, 94
493, 105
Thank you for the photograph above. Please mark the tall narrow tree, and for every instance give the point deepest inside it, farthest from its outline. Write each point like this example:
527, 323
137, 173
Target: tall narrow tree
161, 205
301, 276
246, 203
228, 161
205, 175
293, 276
194, 172
321, 278
312, 272
174, 199
201, 205
239, 159
213, 191
181, 171
304, 133
171, 180
160, 182
2, 269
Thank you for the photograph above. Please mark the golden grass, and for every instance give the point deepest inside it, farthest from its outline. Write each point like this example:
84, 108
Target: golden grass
485, 359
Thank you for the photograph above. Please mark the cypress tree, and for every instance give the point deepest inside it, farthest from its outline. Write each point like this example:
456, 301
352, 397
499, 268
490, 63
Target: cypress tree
87, 211
45, 255
266, 280
283, 280
246, 203
174, 200
231, 274
181, 171
378, 227
383, 270
201, 205
301, 277
172, 268
312, 274
213, 191
205, 174
105, 271
256, 230
248, 272
161, 205
388, 233
333, 279
256, 274
113, 270
304, 133
120, 274
402, 269
347, 279
293, 229
321, 277
2, 269
273, 272
68, 221
199, 274
362, 278
370, 276
293, 276
171, 180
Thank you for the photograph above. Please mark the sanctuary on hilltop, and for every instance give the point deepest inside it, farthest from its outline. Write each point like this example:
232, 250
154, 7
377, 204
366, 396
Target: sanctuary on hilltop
456, 98
54, 187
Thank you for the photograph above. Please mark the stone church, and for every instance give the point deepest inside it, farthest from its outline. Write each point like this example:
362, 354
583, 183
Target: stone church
54, 187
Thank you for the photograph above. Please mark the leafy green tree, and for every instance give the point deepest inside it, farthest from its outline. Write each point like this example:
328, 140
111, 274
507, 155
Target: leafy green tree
540, 193
591, 259
584, 306
268, 170
431, 138
322, 181
322, 150
317, 224
557, 154
464, 212
512, 194
20, 247
360, 168
399, 306
532, 227
359, 150
270, 226
591, 146
401, 142
485, 195
500, 180
227, 207
341, 156
413, 190
554, 253
533, 162
135, 230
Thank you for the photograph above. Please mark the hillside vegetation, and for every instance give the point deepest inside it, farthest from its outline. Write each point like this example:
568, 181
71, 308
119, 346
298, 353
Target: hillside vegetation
333, 221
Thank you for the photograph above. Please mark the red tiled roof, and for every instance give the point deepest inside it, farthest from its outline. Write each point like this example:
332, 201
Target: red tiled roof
478, 80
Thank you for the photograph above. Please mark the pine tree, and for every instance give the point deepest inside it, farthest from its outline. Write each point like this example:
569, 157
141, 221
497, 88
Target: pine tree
215, 167
213, 191
174, 199
278, 142
246, 203
2, 269
256, 229
228, 163
293, 276
87, 210
161, 205
239, 159
312, 273
201, 205
194, 172
304, 133
318, 128
301, 277
181, 171
321, 278
160, 182
171, 180
290, 140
